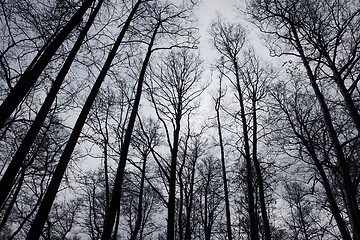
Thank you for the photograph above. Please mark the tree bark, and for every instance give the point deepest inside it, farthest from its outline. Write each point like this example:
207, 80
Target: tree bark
254, 231
190, 204
349, 190
223, 166
172, 180
115, 198
334, 208
17, 161
139, 214
50, 194
259, 176
32, 73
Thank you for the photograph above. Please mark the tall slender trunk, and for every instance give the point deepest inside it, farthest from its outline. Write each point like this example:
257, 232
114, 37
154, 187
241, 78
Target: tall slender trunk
182, 234
18, 159
254, 231
259, 176
334, 208
115, 197
181, 207
13, 200
349, 101
302, 221
207, 226
117, 221
106, 160
223, 166
50, 194
106, 173
172, 180
32, 73
190, 204
349, 190
139, 214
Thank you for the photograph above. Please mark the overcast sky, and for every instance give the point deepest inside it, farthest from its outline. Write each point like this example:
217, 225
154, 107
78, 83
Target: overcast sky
206, 13
229, 9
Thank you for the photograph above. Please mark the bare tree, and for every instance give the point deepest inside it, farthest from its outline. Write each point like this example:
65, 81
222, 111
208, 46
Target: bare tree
32, 180
49, 197
33, 71
326, 40
12, 169
221, 94
115, 197
193, 148
146, 137
173, 90
62, 219
210, 197
304, 220
249, 80
299, 119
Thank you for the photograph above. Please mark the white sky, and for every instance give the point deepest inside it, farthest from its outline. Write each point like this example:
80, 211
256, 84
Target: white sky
229, 9
206, 13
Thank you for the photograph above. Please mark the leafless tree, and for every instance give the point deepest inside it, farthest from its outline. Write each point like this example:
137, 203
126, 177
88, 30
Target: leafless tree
326, 41
248, 76
38, 64
49, 197
304, 131
173, 89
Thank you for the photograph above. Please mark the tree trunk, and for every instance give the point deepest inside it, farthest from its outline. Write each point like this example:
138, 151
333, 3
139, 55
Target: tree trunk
13, 200
329, 193
190, 204
139, 217
223, 166
17, 161
115, 198
172, 181
349, 102
334, 208
182, 234
32, 73
207, 227
180, 212
50, 194
254, 231
349, 190
259, 176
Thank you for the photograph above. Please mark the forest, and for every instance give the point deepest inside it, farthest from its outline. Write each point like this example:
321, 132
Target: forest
114, 126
